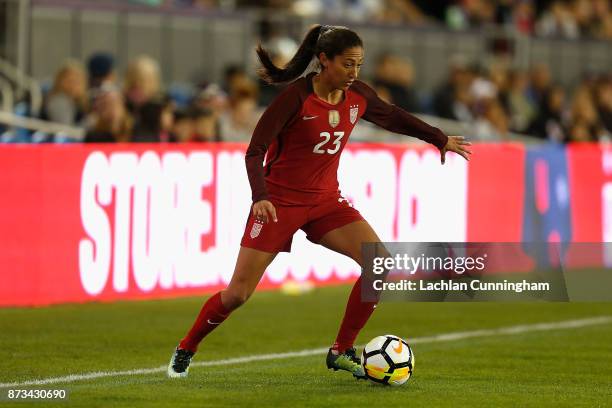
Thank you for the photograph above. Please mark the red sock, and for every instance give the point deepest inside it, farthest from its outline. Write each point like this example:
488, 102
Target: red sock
213, 313
355, 317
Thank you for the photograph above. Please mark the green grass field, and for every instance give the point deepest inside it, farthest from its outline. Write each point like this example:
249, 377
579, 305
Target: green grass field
567, 366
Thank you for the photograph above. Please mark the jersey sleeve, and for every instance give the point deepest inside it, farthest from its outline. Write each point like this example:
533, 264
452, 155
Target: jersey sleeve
397, 120
280, 112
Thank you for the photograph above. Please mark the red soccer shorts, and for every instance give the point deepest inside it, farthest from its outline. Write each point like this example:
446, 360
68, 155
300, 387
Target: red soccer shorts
315, 220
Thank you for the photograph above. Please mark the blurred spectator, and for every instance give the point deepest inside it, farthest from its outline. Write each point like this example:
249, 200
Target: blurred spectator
603, 102
482, 87
396, 75
499, 76
142, 82
584, 113
558, 21
523, 16
389, 11
602, 26
539, 83
444, 98
66, 103
354, 10
206, 126
196, 125
549, 124
582, 11
521, 109
234, 76
156, 122
101, 70
581, 132
205, 4
102, 79
238, 123
113, 123
470, 13
183, 127
493, 124
463, 101
488, 92
583, 107
212, 97
400, 11
241, 84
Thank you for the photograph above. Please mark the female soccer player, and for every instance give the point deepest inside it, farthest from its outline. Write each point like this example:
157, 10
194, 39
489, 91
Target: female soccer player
303, 133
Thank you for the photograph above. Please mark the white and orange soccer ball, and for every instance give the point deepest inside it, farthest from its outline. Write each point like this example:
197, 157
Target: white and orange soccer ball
388, 360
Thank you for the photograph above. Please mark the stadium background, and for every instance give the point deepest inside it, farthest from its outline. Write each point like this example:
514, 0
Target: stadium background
169, 87
512, 74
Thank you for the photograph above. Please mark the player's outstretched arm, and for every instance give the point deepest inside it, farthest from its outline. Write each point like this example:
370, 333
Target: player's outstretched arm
456, 144
397, 120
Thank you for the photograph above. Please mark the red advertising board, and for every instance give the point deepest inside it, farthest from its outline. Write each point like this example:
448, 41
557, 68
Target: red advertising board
98, 222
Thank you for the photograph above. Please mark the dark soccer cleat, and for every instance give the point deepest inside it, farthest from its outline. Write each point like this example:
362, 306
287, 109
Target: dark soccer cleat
179, 363
347, 361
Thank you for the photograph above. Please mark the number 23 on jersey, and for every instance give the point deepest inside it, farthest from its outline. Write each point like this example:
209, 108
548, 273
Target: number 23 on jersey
320, 147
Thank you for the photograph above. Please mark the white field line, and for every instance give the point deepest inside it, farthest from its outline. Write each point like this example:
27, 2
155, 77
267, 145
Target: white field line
502, 331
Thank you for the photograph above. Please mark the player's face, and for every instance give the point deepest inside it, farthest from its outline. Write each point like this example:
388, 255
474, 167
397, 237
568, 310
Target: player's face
344, 68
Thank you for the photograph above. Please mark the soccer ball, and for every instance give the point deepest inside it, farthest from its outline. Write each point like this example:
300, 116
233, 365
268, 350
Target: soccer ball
388, 360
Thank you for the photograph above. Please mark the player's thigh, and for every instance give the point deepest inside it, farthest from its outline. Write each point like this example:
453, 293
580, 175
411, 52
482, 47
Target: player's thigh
347, 239
250, 267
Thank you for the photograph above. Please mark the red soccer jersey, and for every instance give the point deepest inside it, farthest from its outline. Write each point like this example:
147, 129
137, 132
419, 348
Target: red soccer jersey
304, 136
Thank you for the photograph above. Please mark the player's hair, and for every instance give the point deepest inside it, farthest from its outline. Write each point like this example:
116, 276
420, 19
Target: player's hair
331, 40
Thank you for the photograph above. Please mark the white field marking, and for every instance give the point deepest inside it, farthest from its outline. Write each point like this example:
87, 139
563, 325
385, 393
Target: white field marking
502, 331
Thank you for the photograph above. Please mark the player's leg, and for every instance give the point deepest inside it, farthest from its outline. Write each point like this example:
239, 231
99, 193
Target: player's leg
347, 240
250, 266
259, 245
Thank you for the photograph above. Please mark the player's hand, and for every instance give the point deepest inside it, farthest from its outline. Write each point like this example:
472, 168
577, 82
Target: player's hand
458, 145
264, 211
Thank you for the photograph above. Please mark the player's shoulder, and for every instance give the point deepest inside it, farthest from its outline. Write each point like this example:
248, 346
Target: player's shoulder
362, 89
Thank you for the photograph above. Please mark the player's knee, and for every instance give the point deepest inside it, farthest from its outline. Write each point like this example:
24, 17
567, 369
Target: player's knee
379, 251
234, 298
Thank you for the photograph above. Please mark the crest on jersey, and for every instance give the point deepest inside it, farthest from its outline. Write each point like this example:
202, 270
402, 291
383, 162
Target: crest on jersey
353, 113
256, 229
334, 118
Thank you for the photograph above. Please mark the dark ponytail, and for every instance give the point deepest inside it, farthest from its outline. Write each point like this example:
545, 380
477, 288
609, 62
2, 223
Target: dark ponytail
332, 40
